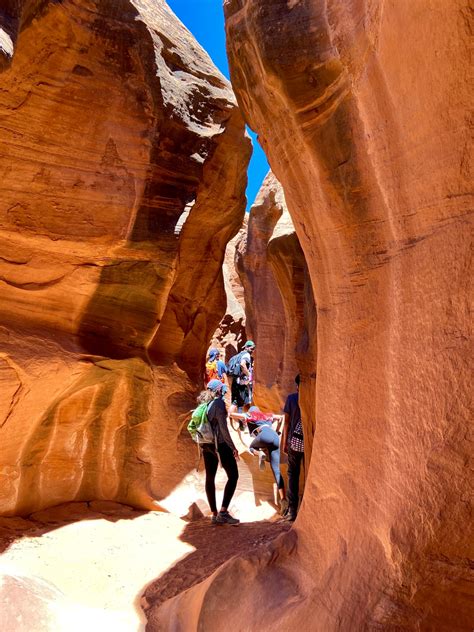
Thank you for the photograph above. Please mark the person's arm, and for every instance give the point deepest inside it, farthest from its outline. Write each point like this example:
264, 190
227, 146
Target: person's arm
221, 417
244, 368
222, 372
278, 420
241, 416
284, 438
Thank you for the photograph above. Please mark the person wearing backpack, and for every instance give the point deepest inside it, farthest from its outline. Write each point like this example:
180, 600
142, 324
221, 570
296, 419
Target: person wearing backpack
222, 449
240, 368
215, 369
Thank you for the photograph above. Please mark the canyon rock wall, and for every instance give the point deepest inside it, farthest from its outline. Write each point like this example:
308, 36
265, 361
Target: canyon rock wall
362, 110
123, 170
230, 335
273, 272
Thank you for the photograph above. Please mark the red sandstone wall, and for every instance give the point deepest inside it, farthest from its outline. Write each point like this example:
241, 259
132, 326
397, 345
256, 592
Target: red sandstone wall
123, 174
362, 110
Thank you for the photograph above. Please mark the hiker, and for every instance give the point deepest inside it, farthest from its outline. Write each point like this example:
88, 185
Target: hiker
242, 385
223, 449
293, 446
215, 368
265, 441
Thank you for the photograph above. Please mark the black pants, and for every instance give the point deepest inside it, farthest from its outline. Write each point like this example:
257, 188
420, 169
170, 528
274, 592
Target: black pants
294, 468
241, 394
228, 462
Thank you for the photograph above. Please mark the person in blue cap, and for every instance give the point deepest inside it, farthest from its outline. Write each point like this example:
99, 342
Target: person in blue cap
223, 449
215, 369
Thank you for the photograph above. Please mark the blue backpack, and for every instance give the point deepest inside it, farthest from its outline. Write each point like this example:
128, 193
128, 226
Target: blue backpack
233, 367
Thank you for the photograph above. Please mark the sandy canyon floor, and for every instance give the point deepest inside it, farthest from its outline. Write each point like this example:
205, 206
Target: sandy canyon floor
99, 565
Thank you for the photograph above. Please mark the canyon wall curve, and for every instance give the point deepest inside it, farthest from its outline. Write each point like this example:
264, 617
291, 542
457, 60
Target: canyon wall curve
361, 108
123, 179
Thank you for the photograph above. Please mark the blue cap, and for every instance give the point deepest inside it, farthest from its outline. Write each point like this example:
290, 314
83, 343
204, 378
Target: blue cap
213, 353
214, 385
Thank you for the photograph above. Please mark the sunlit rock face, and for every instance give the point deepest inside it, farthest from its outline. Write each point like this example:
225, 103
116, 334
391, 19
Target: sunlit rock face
361, 108
123, 172
278, 298
230, 334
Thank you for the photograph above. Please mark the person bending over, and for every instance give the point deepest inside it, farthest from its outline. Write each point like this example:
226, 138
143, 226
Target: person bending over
264, 439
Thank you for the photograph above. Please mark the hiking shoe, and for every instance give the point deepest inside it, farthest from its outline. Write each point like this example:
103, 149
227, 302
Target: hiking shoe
283, 507
290, 516
213, 519
224, 517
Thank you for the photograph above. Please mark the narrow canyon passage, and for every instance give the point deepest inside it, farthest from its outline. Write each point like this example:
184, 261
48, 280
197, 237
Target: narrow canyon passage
126, 252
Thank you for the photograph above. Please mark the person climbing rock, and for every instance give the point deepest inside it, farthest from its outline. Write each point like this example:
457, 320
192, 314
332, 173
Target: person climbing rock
223, 449
293, 446
215, 369
265, 442
242, 384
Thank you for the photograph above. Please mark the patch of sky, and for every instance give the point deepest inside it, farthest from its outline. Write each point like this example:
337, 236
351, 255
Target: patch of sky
205, 20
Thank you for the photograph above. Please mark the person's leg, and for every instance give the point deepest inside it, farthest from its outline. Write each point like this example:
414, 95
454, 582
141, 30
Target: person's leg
230, 466
210, 463
294, 466
234, 394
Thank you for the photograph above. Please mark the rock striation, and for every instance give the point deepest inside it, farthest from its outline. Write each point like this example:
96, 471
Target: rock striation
280, 311
362, 110
230, 335
123, 176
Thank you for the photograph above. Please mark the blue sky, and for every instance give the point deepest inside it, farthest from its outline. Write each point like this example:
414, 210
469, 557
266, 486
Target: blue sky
205, 20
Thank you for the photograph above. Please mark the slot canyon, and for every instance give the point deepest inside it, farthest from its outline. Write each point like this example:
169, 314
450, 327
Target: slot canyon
126, 252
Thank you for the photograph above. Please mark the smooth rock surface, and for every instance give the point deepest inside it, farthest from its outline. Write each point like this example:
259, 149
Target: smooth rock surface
280, 310
230, 334
123, 175
362, 110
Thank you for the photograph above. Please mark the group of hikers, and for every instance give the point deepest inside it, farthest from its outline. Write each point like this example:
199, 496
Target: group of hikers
209, 428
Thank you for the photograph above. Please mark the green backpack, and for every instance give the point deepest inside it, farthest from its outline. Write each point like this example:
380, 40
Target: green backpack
199, 427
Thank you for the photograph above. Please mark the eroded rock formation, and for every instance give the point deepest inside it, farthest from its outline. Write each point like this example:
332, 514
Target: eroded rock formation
230, 335
280, 309
123, 173
362, 111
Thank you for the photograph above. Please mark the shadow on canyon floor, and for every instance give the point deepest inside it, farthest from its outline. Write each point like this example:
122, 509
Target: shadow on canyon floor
213, 545
42, 522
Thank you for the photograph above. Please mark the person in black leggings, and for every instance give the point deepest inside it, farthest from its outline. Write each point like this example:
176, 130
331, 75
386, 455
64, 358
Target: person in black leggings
223, 449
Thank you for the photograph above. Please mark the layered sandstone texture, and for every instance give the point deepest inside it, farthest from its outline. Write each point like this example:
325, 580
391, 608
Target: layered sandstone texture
280, 310
230, 334
362, 110
123, 173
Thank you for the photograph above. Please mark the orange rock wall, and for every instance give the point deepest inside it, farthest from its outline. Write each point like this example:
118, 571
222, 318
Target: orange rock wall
123, 173
278, 299
362, 110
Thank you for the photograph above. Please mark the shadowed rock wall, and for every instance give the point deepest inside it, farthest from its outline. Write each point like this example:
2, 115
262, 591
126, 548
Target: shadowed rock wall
123, 177
280, 311
362, 110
